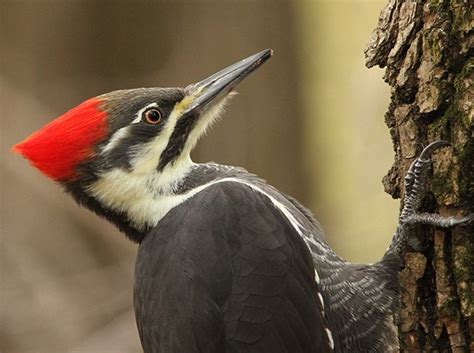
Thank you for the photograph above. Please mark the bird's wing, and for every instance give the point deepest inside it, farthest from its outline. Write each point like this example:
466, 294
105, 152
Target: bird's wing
228, 268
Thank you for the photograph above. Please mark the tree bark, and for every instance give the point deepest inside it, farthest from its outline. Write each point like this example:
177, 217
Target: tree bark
426, 47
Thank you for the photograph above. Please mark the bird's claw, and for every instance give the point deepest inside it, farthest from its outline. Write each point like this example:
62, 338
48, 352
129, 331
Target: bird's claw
433, 146
438, 220
415, 186
415, 179
415, 183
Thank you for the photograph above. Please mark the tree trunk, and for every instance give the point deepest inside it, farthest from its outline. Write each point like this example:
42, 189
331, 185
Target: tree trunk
426, 47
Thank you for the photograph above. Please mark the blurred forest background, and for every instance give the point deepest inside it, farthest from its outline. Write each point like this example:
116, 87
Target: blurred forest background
310, 121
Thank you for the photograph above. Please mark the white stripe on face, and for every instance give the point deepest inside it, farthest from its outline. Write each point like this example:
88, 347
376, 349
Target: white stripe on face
116, 138
122, 133
142, 192
140, 112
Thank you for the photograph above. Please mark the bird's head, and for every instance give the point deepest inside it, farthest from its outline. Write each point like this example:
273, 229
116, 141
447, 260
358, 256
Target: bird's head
113, 149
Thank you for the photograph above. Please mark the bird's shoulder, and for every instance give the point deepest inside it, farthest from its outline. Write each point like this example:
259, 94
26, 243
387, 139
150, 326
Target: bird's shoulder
269, 300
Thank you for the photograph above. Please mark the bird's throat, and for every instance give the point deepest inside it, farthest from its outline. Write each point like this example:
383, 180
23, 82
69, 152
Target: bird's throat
143, 199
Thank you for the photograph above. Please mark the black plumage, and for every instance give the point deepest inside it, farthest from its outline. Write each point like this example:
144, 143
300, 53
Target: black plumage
228, 272
226, 263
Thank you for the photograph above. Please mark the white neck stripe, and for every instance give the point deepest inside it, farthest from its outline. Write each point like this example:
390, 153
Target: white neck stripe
176, 200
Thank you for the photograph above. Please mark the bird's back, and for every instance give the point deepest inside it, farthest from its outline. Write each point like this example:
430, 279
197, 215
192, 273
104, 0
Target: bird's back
226, 272
242, 267
359, 299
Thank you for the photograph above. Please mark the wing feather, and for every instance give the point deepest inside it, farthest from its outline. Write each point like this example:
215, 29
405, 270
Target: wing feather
227, 267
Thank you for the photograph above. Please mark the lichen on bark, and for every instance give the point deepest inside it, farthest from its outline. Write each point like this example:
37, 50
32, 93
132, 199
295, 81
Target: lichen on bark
426, 48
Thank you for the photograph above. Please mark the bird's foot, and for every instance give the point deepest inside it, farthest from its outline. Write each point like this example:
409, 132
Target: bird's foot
415, 187
436, 220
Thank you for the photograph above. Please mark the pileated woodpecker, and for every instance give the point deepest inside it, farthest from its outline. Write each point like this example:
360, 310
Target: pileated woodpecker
226, 262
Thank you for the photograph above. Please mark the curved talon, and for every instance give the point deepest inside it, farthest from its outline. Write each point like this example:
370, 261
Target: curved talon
416, 174
464, 221
433, 146
415, 185
437, 220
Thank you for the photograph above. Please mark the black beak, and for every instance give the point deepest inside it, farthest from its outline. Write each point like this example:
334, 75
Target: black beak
219, 84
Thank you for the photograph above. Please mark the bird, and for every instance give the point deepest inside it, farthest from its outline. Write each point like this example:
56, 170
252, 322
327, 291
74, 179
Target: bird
226, 263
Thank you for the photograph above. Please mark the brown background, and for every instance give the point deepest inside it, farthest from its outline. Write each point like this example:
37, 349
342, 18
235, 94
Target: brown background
310, 122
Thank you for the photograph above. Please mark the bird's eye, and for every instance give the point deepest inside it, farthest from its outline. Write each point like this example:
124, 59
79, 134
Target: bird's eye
152, 116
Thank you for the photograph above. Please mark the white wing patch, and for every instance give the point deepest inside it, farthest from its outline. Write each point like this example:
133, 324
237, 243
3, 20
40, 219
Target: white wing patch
331, 340
320, 296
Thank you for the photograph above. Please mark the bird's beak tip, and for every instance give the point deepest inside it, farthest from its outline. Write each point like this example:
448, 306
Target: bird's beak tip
224, 81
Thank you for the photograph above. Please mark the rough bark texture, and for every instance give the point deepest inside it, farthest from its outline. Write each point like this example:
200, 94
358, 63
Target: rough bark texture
426, 47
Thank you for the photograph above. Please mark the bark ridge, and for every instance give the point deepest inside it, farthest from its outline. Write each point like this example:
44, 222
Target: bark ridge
427, 50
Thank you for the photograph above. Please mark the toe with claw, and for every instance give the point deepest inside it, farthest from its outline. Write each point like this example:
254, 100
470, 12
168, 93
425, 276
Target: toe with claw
415, 187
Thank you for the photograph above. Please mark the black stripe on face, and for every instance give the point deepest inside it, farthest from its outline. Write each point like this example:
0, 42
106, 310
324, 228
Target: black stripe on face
122, 107
178, 139
138, 135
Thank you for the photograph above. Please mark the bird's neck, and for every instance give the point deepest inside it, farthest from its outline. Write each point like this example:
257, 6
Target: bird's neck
136, 202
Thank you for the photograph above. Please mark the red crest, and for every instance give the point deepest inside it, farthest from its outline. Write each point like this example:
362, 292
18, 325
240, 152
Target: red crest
58, 147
